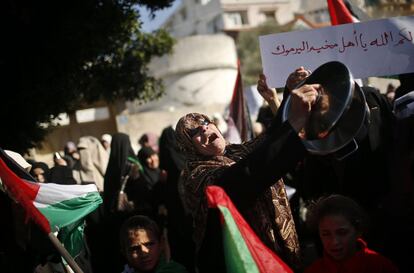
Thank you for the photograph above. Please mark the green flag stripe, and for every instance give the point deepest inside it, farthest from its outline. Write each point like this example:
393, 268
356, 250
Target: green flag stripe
72, 238
237, 254
70, 211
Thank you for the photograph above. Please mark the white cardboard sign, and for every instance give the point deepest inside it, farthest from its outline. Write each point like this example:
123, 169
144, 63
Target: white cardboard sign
373, 48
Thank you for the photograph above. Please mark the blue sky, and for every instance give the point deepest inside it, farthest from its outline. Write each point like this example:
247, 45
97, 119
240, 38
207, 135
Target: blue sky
149, 25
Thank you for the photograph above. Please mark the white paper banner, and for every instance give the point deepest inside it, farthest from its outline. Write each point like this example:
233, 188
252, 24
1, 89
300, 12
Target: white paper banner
374, 48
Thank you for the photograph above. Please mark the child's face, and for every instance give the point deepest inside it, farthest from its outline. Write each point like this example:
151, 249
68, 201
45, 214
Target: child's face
338, 236
143, 250
153, 161
39, 174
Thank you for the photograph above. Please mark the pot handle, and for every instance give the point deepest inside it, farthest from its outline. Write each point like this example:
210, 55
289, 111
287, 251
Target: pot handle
347, 150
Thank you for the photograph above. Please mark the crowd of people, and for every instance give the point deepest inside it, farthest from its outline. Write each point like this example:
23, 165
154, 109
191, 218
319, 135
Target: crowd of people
350, 213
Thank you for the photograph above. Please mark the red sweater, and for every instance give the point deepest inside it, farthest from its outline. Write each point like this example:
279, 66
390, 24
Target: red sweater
364, 261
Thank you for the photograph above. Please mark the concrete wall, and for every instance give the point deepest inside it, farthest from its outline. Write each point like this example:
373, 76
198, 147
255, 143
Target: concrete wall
199, 77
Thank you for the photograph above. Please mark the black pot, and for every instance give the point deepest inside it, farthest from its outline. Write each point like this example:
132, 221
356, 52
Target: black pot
339, 112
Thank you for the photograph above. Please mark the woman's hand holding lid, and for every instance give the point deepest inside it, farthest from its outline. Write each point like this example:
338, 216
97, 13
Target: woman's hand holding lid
302, 100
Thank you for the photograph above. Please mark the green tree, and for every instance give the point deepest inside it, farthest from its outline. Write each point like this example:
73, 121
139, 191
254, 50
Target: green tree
248, 49
57, 55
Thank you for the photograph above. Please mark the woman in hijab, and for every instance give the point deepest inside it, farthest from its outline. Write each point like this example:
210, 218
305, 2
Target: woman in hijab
93, 162
179, 223
40, 171
249, 173
118, 166
147, 192
149, 140
107, 257
151, 166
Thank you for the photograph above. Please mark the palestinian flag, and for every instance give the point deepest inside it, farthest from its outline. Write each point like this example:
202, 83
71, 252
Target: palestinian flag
244, 252
239, 111
344, 12
54, 207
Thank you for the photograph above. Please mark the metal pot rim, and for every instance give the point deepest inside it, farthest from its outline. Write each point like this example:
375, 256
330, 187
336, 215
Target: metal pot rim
347, 112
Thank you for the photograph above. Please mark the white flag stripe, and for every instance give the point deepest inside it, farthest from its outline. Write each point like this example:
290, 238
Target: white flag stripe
50, 193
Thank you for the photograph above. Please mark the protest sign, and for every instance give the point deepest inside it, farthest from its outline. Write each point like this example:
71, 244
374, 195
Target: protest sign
374, 48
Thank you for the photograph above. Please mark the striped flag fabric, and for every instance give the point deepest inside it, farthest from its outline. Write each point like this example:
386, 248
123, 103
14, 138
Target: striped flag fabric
339, 12
238, 110
244, 252
54, 207
344, 12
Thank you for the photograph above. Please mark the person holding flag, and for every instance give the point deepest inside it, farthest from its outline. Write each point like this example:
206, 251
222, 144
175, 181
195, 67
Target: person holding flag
249, 174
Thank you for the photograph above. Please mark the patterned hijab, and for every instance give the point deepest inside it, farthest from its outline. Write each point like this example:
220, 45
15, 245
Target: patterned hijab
270, 217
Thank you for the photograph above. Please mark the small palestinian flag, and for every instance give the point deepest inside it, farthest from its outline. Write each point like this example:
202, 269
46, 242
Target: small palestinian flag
54, 207
244, 252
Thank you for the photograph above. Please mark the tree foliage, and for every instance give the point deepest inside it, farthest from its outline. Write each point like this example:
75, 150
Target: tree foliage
57, 55
248, 49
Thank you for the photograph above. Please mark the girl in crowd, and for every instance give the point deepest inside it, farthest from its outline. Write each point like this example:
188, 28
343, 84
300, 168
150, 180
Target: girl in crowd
340, 222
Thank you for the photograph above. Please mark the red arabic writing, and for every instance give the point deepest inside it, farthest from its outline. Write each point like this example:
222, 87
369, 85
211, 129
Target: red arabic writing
385, 39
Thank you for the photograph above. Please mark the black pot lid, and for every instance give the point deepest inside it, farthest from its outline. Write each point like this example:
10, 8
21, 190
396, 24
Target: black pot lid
328, 128
345, 130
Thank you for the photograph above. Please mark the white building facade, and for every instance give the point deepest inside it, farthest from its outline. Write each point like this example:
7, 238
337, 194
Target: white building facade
199, 17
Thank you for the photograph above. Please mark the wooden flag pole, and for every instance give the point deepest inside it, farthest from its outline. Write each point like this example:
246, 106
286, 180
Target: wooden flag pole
65, 254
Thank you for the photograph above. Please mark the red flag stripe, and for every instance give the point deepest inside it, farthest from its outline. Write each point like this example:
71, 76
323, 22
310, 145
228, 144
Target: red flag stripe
339, 13
238, 108
236, 105
24, 193
265, 259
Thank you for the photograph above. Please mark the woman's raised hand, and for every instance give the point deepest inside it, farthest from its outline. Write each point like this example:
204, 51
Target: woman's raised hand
296, 77
302, 100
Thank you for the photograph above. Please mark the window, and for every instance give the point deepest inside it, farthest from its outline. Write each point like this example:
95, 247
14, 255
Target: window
235, 19
92, 114
169, 27
183, 14
269, 15
212, 26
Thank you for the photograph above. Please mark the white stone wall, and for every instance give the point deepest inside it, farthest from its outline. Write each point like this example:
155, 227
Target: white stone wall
199, 77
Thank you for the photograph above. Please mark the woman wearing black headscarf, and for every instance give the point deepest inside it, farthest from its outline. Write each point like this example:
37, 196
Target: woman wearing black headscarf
118, 167
105, 255
151, 166
179, 222
40, 171
148, 192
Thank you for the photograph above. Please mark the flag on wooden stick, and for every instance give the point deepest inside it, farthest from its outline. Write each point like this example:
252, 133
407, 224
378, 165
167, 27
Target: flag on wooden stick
52, 206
